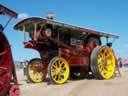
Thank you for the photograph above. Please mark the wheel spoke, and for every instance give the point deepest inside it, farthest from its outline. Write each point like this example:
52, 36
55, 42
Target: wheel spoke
101, 67
59, 77
62, 65
108, 54
56, 78
3, 53
57, 64
101, 55
59, 61
100, 61
53, 72
3, 70
36, 76
54, 66
1, 83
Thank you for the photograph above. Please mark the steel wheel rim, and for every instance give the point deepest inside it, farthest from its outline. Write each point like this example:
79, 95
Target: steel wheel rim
6, 65
35, 74
106, 62
59, 71
5, 78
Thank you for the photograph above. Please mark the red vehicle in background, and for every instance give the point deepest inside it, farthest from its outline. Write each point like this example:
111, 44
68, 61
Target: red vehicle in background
66, 51
8, 79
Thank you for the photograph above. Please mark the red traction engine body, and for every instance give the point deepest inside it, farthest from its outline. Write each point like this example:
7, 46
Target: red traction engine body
65, 50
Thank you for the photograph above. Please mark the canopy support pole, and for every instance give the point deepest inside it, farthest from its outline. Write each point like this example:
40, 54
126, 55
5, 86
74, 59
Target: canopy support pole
35, 32
107, 39
24, 38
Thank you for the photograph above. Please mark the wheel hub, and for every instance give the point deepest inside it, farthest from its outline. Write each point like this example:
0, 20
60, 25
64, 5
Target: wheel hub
58, 71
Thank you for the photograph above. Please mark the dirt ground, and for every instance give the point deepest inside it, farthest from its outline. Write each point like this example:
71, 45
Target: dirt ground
114, 87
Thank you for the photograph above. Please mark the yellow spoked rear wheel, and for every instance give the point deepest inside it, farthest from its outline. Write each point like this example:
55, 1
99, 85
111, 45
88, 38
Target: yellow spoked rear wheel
58, 70
103, 62
35, 72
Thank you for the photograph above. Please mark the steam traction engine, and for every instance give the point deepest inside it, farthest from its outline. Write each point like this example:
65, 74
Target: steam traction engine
66, 51
7, 68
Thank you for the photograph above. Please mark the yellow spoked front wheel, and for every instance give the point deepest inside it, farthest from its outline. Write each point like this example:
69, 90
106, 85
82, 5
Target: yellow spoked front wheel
103, 62
58, 70
35, 71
